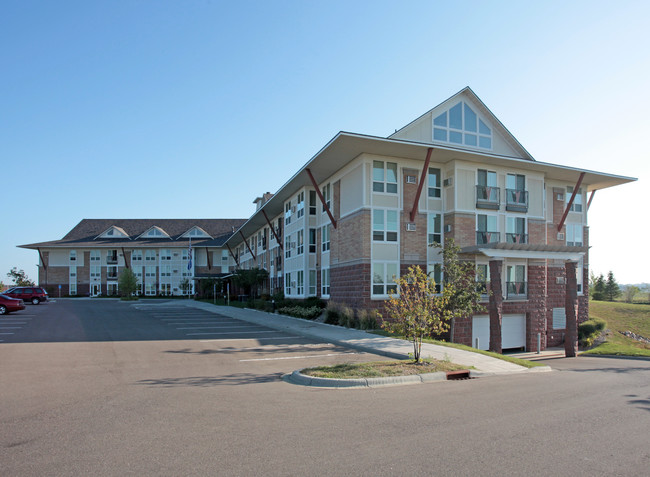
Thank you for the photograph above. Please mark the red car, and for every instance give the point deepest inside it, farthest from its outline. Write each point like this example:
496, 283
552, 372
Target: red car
33, 295
8, 304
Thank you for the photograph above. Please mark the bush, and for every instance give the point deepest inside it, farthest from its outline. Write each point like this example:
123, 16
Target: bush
332, 313
301, 312
259, 304
367, 319
589, 330
346, 316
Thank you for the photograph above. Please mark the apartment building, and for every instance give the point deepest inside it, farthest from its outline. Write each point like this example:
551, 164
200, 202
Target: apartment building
364, 209
166, 255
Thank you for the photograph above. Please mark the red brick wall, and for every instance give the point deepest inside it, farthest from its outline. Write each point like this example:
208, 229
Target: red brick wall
463, 229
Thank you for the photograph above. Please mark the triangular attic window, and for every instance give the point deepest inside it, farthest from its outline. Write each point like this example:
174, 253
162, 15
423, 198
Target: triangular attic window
155, 232
114, 232
461, 125
196, 232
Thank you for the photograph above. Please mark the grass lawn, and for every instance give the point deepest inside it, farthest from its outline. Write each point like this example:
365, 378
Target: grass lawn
622, 317
380, 369
520, 362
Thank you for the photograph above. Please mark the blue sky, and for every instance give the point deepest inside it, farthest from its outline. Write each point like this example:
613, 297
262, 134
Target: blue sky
168, 109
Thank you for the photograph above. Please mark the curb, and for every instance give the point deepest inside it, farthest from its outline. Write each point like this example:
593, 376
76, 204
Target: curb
303, 380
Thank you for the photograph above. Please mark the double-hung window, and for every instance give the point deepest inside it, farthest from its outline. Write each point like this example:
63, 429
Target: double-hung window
325, 238
325, 281
383, 278
312, 240
577, 202
384, 225
574, 235
312, 202
327, 197
287, 283
300, 282
434, 270
434, 229
312, 282
384, 177
300, 205
287, 213
434, 182
95, 256
150, 255
73, 255
287, 246
300, 242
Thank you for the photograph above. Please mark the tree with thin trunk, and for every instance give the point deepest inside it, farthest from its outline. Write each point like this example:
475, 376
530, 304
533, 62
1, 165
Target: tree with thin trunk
127, 283
417, 311
20, 278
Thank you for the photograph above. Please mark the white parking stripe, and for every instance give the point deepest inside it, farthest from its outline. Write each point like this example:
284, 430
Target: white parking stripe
233, 333
11, 327
296, 357
6, 333
213, 327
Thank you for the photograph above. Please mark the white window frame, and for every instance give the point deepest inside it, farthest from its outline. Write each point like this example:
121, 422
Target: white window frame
325, 282
434, 173
313, 281
431, 228
325, 238
300, 242
300, 282
382, 185
287, 283
577, 202
387, 235
300, 204
571, 231
383, 270
73, 255
327, 197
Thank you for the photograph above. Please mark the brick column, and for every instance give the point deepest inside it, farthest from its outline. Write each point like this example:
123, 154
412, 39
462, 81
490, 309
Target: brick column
495, 305
536, 316
571, 309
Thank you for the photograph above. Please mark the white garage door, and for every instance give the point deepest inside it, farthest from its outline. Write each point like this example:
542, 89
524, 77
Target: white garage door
513, 331
481, 330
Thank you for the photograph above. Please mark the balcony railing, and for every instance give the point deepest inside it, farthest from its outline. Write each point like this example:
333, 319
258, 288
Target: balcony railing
516, 290
483, 238
517, 238
488, 197
517, 200
111, 259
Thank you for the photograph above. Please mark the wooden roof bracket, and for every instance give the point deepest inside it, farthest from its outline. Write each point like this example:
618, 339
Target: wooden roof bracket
247, 246
320, 196
207, 254
126, 262
591, 197
42, 259
421, 184
232, 254
275, 234
568, 206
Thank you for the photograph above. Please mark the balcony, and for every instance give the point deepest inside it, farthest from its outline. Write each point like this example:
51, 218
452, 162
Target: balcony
111, 259
483, 238
517, 200
516, 238
516, 291
488, 197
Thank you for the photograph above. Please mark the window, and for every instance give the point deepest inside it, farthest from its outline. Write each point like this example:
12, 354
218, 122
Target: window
574, 235
95, 271
111, 256
325, 238
165, 270
72, 281
516, 230
73, 273
312, 282
287, 213
516, 182
111, 272
136, 255
434, 182
73, 255
72, 289
300, 206
287, 283
384, 225
287, 246
325, 281
150, 289
166, 289
434, 229
384, 177
483, 278
149, 271
516, 194
434, 270
327, 197
95, 256
461, 125
487, 190
516, 281
312, 240
150, 255
165, 254
577, 202
487, 231
300, 282
383, 278
312, 202
300, 242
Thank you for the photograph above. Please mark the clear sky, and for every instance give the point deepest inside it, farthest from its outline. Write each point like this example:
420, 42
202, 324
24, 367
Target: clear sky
181, 109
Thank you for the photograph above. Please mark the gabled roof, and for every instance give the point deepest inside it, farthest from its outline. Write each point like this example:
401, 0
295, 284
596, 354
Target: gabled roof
154, 232
196, 231
86, 232
484, 110
113, 232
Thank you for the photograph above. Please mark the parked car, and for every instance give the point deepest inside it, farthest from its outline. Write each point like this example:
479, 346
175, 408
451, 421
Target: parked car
8, 304
33, 295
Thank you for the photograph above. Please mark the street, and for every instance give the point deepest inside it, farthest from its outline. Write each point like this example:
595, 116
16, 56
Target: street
104, 387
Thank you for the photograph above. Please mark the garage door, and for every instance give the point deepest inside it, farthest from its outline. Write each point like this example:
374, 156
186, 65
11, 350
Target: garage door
481, 330
513, 331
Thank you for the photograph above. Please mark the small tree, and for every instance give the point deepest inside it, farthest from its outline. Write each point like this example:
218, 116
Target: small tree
127, 282
597, 287
460, 288
19, 277
612, 290
417, 311
249, 279
630, 293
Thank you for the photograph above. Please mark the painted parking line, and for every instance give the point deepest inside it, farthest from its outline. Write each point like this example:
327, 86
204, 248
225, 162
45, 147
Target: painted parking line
7, 333
233, 333
213, 327
297, 357
11, 327
247, 339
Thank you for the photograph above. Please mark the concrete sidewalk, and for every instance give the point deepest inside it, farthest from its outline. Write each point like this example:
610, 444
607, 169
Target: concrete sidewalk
364, 341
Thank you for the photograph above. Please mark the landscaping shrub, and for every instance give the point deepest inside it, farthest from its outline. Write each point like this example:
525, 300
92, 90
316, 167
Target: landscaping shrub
367, 319
332, 313
301, 311
589, 330
346, 316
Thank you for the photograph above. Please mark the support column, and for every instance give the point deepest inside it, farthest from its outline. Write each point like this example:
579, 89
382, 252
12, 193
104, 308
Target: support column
571, 310
495, 305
